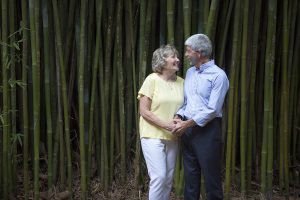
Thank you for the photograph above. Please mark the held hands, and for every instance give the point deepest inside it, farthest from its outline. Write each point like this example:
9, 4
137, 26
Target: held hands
177, 126
181, 126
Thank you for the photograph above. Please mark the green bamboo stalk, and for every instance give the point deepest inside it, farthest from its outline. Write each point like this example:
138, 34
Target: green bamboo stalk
25, 100
224, 35
36, 96
119, 57
186, 28
205, 5
135, 78
295, 86
60, 127
145, 37
170, 20
81, 100
211, 22
70, 32
12, 99
94, 81
47, 92
284, 104
231, 102
129, 64
252, 118
243, 110
64, 94
267, 148
141, 62
162, 22
105, 79
113, 125
5, 101
128, 60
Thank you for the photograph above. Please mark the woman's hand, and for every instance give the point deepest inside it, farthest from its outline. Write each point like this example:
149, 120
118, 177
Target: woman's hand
170, 126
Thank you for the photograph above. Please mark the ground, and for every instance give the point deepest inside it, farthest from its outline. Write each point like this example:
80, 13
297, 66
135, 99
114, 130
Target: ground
127, 192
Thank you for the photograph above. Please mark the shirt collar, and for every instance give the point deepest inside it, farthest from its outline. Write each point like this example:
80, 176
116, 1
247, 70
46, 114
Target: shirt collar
205, 66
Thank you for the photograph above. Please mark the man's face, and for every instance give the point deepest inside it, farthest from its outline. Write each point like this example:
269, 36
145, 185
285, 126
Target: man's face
192, 56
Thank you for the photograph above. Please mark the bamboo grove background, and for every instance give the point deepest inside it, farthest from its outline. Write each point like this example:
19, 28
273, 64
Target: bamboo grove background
70, 72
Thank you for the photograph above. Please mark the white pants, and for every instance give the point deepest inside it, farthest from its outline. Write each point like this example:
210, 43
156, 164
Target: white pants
160, 156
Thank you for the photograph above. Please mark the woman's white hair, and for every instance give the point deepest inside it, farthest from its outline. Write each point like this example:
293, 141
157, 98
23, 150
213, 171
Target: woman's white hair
160, 55
200, 43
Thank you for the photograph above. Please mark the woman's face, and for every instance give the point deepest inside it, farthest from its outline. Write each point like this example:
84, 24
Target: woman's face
172, 63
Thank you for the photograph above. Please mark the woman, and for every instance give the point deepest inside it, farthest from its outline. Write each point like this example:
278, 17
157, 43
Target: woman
160, 97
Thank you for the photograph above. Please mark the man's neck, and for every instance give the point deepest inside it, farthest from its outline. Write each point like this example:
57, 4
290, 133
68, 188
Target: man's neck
201, 62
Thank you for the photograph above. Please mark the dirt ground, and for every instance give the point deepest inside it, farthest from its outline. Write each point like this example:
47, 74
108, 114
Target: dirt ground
126, 191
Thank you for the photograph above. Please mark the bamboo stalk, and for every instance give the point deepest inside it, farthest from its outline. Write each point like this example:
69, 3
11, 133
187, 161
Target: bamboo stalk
187, 28
119, 57
170, 20
252, 118
211, 22
81, 100
224, 35
64, 95
243, 110
36, 96
25, 99
267, 152
13, 97
94, 81
5, 101
45, 12
231, 102
284, 104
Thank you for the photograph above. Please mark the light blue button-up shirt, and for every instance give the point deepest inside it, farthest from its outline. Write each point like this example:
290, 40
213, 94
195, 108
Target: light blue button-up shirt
204, 92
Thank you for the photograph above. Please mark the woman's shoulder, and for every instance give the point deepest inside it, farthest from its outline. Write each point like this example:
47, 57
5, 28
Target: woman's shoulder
151, 77
179, 79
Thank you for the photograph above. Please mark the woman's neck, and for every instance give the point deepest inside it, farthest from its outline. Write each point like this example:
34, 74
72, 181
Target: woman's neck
168, 76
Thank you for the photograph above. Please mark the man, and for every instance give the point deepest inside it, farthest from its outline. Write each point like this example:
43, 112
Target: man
199, 120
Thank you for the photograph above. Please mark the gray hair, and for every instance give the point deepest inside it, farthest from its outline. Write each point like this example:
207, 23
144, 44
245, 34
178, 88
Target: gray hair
200, 43
160, 55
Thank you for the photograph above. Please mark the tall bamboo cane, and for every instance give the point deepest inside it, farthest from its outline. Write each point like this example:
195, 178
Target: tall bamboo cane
170, 20
231, 102
64, 94
5, 101
284, 104
25, 99
94, 81
81, 100
211, 22
45, 12
252, 118
267, 149
36, 96
186, 27
13, 98
244, 125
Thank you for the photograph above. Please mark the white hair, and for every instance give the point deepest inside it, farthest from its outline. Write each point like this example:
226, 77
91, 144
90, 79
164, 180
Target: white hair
160, 55
200, 43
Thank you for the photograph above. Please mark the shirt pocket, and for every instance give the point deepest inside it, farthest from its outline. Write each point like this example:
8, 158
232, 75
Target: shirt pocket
203, 87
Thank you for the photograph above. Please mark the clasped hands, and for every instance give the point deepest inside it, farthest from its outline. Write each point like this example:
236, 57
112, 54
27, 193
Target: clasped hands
177, 126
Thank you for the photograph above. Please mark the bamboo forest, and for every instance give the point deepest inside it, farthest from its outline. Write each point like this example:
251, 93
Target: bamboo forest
71, 71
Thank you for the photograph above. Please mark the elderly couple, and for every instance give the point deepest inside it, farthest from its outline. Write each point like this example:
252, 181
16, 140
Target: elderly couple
172, 108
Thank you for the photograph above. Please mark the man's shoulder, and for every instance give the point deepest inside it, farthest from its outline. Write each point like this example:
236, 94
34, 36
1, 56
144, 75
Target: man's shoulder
218, 70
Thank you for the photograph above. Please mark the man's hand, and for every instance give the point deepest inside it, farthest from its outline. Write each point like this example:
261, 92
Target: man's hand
181, 126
